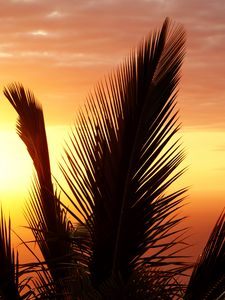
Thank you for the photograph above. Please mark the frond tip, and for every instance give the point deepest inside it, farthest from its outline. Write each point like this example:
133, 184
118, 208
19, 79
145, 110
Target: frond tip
31, 128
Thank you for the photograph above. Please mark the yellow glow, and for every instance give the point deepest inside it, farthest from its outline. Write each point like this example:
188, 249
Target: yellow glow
205, 161
14, 164
205, 177
16, 170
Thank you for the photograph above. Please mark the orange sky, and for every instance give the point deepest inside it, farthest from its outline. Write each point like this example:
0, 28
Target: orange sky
60, 49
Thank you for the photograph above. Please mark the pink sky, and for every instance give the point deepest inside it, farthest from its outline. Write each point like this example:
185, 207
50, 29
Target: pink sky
60, 49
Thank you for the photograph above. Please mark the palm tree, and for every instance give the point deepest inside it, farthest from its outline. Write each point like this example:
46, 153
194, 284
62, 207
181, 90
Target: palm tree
121, 236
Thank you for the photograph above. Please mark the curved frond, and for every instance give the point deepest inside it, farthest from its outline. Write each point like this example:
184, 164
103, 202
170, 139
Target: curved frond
31, 129
44, 214
208, 277
123, 157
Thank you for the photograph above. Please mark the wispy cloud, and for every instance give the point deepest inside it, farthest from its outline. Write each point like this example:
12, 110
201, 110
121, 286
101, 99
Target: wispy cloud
23, 1
54, 14
39, 33
5, 54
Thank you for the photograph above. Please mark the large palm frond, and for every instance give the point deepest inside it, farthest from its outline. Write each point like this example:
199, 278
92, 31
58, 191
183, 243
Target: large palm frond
208, 277
122, 159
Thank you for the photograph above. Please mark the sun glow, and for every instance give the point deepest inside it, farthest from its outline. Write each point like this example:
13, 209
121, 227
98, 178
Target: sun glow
15, 166
205, 176
205, 160
16, 169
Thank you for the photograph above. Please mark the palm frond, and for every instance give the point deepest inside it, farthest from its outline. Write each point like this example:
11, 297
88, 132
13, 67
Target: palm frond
146, 283
208, 277
44, 214
9, 264
31, 129
122, 157
151, 283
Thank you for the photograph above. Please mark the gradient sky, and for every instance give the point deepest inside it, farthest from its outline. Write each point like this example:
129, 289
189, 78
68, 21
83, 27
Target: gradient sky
61, 49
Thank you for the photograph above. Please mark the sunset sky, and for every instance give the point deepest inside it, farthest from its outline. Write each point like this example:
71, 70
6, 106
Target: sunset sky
61, 49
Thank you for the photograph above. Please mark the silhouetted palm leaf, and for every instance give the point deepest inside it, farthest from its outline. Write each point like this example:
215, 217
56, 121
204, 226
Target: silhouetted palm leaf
207, 281
44, 214
121, 161
11, 282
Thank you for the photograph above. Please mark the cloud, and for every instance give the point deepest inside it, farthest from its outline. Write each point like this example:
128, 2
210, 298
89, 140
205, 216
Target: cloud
23, 1
54, 14
39, 33
5, 54
35, 54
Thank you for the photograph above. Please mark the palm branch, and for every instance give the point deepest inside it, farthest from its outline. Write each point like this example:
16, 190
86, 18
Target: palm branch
208, 277
46, 218
121, 159
13, 285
